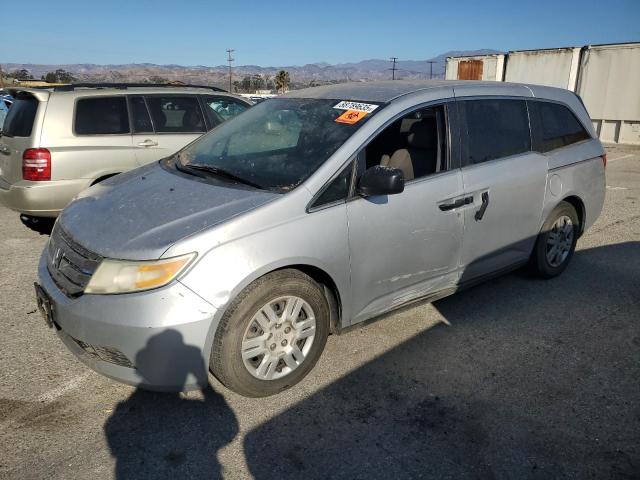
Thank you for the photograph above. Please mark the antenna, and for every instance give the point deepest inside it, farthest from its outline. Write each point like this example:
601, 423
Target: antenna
393, 67
230, 59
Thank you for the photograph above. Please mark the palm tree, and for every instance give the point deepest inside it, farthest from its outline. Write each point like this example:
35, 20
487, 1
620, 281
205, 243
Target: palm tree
282, 81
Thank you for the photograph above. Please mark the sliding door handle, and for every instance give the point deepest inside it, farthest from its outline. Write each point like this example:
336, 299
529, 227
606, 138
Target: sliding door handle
483, 207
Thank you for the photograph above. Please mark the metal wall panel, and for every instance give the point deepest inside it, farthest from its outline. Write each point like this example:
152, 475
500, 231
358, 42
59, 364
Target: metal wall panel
610, 81
553, 68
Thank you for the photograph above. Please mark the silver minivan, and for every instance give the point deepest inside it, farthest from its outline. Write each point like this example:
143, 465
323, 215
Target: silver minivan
310, 213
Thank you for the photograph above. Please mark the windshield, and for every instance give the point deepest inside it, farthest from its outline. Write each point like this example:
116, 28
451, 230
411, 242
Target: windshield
278, 143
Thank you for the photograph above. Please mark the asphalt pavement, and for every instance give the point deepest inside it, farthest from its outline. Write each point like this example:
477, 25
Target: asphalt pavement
515, 378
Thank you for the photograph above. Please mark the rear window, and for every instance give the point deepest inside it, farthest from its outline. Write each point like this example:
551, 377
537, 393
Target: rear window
19, 120
101, 116
495, 129
173, 114
559, 127
223, 108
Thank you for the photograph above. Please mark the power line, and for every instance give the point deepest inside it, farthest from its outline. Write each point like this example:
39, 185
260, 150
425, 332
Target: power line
431, 62
393, 67
230, 59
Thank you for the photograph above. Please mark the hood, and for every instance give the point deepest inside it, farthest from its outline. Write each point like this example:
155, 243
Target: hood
139, 214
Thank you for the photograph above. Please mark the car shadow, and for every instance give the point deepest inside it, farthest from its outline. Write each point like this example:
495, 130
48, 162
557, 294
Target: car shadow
41, 225
533, 379
167, 435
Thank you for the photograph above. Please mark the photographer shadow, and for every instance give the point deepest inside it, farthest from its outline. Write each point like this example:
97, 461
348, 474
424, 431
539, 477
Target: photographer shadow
166, 435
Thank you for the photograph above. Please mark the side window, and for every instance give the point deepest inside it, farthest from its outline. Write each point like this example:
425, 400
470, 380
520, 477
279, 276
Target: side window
415, 144
558, 126
101, 116
223, 108
337, 190
174, 114
140, 115
495, 129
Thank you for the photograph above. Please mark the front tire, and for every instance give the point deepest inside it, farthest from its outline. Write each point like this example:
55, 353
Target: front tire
272, 334
556, 242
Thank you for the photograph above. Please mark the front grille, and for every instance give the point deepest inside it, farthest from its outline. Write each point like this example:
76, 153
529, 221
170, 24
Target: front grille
70, 265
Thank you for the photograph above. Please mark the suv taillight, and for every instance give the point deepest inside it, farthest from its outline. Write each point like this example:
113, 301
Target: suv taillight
604, 160
36, 164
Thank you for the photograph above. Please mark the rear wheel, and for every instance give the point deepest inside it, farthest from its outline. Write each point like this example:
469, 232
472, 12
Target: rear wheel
272, 334
556, 242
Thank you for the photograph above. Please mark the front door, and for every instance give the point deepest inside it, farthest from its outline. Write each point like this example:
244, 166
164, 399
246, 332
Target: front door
407, 245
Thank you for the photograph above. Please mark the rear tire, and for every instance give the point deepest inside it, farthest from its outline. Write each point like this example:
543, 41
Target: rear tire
556, 242
272, 334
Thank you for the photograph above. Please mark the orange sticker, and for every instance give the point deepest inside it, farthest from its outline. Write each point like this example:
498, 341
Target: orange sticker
350, 117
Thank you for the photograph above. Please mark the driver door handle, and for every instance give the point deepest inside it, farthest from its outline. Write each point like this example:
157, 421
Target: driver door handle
148, 143
460, 202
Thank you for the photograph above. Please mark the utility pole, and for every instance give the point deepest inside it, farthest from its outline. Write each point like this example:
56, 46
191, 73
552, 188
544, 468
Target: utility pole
393, 67
230, 59
431, 62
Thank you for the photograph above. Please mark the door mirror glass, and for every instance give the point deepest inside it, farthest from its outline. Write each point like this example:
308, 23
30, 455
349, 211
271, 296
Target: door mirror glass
380, 180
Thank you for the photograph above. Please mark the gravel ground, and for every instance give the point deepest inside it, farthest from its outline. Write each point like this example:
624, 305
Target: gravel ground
515, 378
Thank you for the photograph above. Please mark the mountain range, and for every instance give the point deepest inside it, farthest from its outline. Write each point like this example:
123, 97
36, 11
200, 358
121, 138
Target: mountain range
314, 73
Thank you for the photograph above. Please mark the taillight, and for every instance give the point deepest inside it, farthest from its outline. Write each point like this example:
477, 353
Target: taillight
604, 160
36, 164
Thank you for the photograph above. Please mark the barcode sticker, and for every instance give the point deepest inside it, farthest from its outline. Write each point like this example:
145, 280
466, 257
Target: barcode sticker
356, 106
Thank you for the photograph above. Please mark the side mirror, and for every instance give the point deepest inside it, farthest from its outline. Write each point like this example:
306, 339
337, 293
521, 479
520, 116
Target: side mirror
379, 180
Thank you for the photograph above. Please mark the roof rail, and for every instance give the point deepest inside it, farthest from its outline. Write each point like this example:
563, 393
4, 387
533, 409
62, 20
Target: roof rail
124, 86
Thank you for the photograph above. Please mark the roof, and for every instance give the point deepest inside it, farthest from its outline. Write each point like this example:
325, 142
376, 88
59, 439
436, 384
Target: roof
384, 91
43, 93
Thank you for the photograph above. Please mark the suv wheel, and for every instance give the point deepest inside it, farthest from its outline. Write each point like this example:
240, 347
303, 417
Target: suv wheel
556, 242
272, 334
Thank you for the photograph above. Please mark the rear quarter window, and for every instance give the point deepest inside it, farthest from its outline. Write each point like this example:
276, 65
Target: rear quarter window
19, 120
101, 116
556, 126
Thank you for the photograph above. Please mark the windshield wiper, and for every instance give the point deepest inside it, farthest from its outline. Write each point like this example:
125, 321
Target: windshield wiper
219, 172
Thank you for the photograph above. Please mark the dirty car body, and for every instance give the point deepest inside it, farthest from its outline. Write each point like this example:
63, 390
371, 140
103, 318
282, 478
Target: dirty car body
461, 220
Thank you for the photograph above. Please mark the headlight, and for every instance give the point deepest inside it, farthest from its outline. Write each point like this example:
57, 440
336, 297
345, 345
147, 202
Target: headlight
121, 276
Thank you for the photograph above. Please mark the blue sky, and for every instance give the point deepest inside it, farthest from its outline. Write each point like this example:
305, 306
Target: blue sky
279, 33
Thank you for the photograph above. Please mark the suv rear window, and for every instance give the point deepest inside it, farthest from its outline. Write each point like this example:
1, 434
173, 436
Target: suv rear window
101, 116
495, 129
559, 127
19, 120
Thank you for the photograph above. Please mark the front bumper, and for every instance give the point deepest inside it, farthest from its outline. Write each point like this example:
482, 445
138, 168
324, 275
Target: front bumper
163, 335
40, 199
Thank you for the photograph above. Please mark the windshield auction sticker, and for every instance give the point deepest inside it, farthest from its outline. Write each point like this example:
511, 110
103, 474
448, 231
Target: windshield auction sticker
350, 117
356, 106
